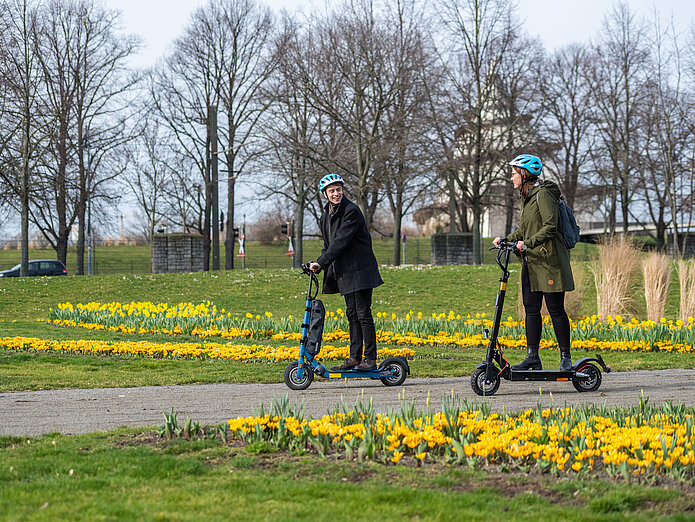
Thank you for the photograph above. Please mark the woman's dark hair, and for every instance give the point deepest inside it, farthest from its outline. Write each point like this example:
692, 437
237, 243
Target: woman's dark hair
528, 180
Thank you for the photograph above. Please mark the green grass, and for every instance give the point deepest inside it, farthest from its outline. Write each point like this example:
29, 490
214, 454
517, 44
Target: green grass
131, 475
464, 289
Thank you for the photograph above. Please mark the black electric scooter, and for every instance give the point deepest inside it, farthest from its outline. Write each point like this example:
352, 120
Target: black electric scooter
585, 373
299, 374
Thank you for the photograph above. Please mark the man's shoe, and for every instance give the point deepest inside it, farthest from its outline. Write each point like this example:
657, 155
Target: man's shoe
348, 364
366, 364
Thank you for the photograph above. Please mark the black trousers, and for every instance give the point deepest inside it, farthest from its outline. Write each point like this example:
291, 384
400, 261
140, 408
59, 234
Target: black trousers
358, 309
555, 301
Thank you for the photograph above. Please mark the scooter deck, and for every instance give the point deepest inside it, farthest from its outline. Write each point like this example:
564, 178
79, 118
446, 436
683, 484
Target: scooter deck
356, 374
546, 375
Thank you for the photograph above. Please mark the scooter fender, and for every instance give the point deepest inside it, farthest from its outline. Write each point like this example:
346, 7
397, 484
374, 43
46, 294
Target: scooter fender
402, 360
597, 359
490, 369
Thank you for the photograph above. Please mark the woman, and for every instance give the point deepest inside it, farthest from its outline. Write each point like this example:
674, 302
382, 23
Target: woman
546, 271
350, 268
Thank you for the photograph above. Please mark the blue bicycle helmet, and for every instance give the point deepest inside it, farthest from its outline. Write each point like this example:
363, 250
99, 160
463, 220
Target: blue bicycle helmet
529, 162
329, 179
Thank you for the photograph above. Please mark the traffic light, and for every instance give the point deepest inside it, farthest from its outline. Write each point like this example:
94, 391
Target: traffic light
236, 232
221, 221
286, 229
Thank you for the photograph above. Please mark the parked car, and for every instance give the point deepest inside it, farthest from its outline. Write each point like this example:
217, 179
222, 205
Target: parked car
42, 267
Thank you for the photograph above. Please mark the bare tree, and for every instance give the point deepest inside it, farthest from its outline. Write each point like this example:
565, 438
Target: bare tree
244, 39
668, 137
517, 114
291, 128
182, 88
480, 33
85, 82
618, 78
350, 81
150, 172
405, 169
567, 117
20, 77
220, 61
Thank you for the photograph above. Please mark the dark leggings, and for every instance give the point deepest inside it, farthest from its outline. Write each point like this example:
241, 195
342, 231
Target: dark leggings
555, 301
358, 309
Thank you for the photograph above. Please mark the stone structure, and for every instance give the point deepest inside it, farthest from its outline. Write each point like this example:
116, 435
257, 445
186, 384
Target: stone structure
178, 252
453, 248
688, 249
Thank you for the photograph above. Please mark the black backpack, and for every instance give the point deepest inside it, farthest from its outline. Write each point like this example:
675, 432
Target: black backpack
568, 223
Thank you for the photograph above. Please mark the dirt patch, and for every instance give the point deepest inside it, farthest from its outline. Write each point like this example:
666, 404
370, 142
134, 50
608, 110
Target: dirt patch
147, 438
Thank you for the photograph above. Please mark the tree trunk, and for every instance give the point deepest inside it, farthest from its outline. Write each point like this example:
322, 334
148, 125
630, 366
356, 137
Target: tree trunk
298, 233
24, 267
229, 235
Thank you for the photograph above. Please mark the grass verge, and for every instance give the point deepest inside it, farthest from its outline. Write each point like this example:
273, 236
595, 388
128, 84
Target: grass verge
131, 474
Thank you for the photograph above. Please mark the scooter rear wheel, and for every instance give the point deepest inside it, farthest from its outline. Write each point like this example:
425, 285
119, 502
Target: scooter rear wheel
592, 383
481, 386
398, 374
294, 382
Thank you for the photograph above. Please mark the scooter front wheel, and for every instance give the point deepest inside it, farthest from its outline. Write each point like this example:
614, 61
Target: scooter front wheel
293, 381
592, 383
480, 384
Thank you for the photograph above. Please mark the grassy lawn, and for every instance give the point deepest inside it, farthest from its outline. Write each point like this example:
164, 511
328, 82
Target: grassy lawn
464, 289
131, 475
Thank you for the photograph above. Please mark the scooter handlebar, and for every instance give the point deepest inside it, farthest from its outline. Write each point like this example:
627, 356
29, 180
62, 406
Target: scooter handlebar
306, 268
507, 245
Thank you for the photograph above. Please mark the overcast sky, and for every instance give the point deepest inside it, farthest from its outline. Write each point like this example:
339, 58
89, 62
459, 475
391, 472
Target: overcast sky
556, 22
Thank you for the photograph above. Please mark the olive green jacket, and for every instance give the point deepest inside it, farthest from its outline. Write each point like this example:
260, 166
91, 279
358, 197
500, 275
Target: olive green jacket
548, 258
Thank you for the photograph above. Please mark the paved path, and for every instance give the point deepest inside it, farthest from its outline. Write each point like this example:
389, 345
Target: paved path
81, 411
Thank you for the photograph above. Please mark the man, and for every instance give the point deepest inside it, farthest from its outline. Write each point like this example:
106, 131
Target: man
350, 268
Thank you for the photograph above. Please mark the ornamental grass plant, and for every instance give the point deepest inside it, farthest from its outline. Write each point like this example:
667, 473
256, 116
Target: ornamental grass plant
613, 270
574, 299
656, 268
686, 280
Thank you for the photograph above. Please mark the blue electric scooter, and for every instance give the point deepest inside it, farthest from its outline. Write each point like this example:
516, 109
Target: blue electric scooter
299, 374
585, 374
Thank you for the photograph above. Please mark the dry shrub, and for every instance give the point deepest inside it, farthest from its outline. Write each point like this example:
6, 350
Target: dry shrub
574, 299
617, 262
657, 276
686, 278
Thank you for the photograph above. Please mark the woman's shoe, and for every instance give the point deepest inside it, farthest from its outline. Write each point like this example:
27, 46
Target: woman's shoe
565, 360
531, 362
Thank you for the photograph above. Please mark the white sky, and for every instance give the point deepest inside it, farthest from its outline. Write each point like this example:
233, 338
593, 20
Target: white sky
557, 22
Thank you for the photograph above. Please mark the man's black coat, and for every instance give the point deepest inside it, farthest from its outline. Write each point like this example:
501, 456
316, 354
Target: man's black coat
347, 257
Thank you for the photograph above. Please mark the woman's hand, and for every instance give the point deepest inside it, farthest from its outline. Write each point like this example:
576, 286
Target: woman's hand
520, 246
496, 241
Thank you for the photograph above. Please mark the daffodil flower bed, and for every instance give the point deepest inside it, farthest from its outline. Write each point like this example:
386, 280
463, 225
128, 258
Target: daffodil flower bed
641, 440
205, 320
207, 350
